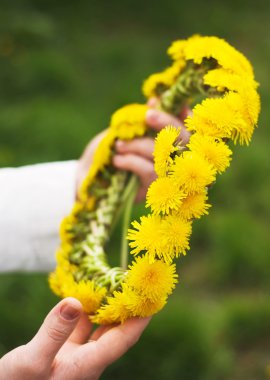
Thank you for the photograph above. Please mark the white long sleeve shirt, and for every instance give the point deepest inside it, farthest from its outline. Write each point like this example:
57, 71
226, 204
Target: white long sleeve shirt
33, 201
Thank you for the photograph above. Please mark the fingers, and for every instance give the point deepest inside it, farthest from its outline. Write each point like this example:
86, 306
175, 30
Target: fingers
143, 147
157, 120
136, 164
55, 330
116, 341
82, 330
100, 331
140, 166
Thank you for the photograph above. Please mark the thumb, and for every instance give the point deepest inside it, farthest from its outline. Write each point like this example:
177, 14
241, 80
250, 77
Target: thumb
55, 330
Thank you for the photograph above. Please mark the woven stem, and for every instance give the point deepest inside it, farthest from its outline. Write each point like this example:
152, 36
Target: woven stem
130, 193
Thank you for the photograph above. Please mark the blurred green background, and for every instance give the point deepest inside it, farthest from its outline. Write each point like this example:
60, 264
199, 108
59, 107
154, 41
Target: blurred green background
65, 66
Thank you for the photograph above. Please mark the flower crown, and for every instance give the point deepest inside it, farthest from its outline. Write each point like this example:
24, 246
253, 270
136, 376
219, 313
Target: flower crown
205, 69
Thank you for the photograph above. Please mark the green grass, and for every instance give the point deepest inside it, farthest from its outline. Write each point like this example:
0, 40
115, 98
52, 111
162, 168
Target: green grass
64, 68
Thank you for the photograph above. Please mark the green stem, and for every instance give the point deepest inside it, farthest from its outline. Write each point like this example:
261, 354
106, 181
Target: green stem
128, 201
124, 197
189, 84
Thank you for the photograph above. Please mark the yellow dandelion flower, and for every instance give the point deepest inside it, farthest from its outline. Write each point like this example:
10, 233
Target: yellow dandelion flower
192, 172
90, 203
62, 258
252, 103
65, 228
104, 316
223, 80
164, 238
87, 205
213, 117
164, 148
77, 208
86, 292
194, 206
140, 306
115, 311
214, 151
164, 195
177, 48
59, 279
248, 102
103, 152
145, 235
101, 158
158, 82
151, 280
197, 48
175, 234
89, 179
245, 106
62, 254
129, 121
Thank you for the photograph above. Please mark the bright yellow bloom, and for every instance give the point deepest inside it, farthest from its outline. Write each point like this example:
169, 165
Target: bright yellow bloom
164, 238
165, 146
214, 151
103, 153
77, 208
194, 206
101, 158
175, 234
192, 172
62, 254
87, 205
197, 48
129, 121
151, 280
114, 311
226, 80
252, 103
86, 292
65, 228
164, 195
59, 279
87, 182
213, 117
248, 104
234, 115
246, 108
142, 306
177, 48
158, 82
146, 235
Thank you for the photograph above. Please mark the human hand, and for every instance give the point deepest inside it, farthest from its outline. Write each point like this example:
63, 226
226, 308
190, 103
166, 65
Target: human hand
136, 155
64, 349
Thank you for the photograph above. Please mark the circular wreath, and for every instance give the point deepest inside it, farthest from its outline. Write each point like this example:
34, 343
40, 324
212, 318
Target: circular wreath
206, 70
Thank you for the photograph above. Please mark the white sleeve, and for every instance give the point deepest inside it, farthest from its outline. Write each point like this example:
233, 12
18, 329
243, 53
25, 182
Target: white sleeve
33, 201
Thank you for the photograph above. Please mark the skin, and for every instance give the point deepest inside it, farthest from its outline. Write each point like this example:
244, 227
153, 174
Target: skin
66, 348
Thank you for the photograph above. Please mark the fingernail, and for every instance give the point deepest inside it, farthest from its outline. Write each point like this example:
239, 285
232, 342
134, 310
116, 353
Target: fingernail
69, 312
151, 115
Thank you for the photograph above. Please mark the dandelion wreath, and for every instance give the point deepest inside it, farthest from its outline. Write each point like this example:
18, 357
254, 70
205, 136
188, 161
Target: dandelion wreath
205, 71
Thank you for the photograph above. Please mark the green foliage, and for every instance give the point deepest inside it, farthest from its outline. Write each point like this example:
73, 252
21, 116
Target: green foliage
64, 68
248, 326
188, 353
